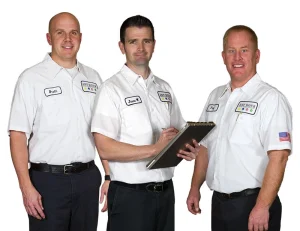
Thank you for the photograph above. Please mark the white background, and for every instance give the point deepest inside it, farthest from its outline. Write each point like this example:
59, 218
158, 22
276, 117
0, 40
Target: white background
188, 56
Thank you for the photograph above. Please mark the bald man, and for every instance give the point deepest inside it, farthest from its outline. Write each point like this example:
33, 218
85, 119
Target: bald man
49, 128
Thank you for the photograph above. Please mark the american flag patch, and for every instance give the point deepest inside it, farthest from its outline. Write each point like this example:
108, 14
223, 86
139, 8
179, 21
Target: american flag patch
284, 136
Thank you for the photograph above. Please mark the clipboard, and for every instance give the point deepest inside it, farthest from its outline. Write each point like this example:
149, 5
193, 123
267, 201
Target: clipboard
192, 130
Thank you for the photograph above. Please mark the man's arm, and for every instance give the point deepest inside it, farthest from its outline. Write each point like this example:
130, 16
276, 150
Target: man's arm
259, 216
110, 149
105, 185
198, 179
19, 153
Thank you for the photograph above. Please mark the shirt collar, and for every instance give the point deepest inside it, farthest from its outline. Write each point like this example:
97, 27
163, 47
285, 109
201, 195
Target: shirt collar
53, 68
132, 77
248, 88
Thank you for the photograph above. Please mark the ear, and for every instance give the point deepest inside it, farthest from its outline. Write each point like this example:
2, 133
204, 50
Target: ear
223, 56
154, 42
48, 39
80, 37
257, 56
122, 47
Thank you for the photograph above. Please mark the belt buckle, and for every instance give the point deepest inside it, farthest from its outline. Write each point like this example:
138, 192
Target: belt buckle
155, 187
158, 187
227, 195
65, 168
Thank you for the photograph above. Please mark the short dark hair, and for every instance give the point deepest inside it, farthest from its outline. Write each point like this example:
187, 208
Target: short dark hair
135, 21
239, 28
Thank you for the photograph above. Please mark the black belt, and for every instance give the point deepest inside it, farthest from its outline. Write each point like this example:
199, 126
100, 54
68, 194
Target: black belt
244, 193
151, 186
65, 169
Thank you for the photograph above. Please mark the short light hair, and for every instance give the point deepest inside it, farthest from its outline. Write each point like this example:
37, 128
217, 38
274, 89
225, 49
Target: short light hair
239, 28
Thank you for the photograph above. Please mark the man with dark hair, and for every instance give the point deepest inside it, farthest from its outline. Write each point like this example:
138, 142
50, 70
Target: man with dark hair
50, 127
131, 111
244, 158
136, 21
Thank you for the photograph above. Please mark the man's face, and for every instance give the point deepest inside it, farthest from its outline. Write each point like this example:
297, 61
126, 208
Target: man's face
65, 38
138, 47
240, 57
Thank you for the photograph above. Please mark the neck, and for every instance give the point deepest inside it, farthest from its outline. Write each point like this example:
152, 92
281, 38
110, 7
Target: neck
143, 71
65, 63
237, 84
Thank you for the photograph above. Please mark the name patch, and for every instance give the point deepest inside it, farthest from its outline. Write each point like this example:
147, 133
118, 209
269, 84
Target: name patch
89, 87
247, 107
212, 107
164, 96
52, 91
133, 100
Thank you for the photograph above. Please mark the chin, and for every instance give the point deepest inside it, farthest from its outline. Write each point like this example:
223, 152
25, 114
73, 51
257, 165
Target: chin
141, 63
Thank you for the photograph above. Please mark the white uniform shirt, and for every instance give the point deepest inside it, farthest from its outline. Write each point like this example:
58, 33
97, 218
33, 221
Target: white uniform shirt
250, 121
129, 111
54, 110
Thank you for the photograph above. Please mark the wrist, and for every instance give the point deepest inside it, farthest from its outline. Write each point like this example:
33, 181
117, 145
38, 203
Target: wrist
107, 177
154, 150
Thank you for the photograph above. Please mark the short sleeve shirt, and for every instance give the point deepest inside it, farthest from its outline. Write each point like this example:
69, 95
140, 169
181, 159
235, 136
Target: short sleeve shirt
132, 112
54, 109
250, 121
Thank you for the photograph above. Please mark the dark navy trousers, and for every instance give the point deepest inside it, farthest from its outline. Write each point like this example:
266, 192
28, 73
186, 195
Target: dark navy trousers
71, 202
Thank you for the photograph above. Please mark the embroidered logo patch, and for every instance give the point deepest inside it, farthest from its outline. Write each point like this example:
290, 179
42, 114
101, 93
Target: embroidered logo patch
284, 136
133, 100
212, 107
247, 107
164, 96
52, 91
89, 86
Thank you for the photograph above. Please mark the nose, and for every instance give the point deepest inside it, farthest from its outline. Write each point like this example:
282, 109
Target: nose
237, 55
67, 37
140, 46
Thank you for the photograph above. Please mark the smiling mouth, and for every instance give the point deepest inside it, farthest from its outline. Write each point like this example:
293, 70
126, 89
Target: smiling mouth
238, 65
67, 47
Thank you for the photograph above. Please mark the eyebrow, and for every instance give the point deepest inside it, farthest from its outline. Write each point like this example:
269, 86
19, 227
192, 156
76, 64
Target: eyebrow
240, 47
145, 39
64, 30
131, 40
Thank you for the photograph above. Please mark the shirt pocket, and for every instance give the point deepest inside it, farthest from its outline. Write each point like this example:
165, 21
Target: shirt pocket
56, 111
243, 129
135, 118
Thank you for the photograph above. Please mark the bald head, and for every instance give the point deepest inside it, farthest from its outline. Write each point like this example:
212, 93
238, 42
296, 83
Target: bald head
61, 16
64, 37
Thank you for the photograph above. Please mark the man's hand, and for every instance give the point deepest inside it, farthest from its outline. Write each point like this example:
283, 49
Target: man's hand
259, 219
192, 201
192, 153
104, 189
165, 137
33, 202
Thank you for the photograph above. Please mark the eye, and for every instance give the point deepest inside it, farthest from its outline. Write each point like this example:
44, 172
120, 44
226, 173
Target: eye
75, 33
231, 51
244, 50
132, 41
59, 32
148, 41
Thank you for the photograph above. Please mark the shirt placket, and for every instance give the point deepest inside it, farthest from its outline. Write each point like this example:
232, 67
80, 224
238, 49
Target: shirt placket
153, 116
221, 145
76, 112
